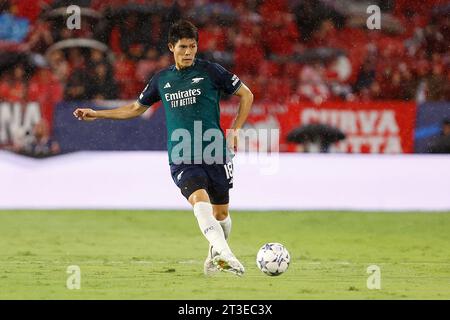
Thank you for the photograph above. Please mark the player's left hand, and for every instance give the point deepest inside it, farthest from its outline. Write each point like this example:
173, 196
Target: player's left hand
233, 139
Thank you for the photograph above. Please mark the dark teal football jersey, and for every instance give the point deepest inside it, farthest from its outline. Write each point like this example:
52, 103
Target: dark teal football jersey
191, 101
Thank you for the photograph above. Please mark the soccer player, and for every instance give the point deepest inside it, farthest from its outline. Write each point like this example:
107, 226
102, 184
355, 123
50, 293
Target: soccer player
200, 156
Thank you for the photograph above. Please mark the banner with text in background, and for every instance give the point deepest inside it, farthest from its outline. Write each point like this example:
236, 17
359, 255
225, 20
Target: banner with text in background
370, 127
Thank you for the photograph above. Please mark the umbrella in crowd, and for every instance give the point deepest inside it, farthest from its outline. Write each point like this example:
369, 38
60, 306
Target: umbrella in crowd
319, 54
316, 134
80, 43
61, 13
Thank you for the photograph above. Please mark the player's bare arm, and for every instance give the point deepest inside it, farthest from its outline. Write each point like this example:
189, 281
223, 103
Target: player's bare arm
245, 104
122, 113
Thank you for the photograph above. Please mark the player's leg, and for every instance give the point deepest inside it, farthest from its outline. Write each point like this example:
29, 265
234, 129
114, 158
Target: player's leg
224, 259
221, 181
214, 258
222, 215
220, 212
218, 191
209, 226
193, 183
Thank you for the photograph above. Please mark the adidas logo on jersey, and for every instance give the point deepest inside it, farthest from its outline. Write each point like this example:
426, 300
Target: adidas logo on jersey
167, 85
197, 80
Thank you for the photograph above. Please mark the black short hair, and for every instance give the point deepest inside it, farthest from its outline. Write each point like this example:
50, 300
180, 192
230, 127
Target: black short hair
182, 29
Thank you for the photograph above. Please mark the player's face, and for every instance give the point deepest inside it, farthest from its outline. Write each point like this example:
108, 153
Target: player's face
184, 52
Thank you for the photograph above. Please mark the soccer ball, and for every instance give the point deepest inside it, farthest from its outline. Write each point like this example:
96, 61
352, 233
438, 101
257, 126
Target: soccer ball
273, 259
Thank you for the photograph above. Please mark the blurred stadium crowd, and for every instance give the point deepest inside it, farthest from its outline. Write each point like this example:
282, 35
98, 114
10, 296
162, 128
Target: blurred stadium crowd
285, 50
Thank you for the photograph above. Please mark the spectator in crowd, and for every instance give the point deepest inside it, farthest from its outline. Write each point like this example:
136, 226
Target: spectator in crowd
409, 83
214, 37
436, 83
259, 39
12, 27
280, 34
104, 86
148, 66
248, 55
136, 37
45, 89
40, 37
441, 144
96, 57
124, 72
76, 59
310, 14
215, 44
447, 88
324, 36
366, 75
312, 83
79, 86
434, 40
43, 145
373, 92
59, 65
37, 143
13, 86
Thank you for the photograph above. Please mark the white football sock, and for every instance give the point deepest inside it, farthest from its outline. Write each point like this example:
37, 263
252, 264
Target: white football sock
210, 227
226, 226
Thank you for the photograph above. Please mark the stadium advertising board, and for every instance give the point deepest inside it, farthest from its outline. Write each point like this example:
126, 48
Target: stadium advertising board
146, 132
370, 127
373, 127
17, 120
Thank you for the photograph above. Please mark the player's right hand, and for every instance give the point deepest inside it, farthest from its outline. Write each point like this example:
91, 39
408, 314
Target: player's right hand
85, 114
233, 139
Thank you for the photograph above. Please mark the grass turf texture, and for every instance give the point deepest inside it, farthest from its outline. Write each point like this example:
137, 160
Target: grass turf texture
160, 254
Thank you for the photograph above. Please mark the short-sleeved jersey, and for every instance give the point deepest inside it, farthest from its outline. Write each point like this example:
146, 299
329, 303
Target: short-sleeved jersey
190, 97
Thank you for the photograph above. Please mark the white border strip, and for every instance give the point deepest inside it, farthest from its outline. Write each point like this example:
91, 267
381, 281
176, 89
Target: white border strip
141, 180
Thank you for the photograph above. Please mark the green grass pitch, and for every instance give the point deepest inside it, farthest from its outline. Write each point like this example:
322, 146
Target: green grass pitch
160, 254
